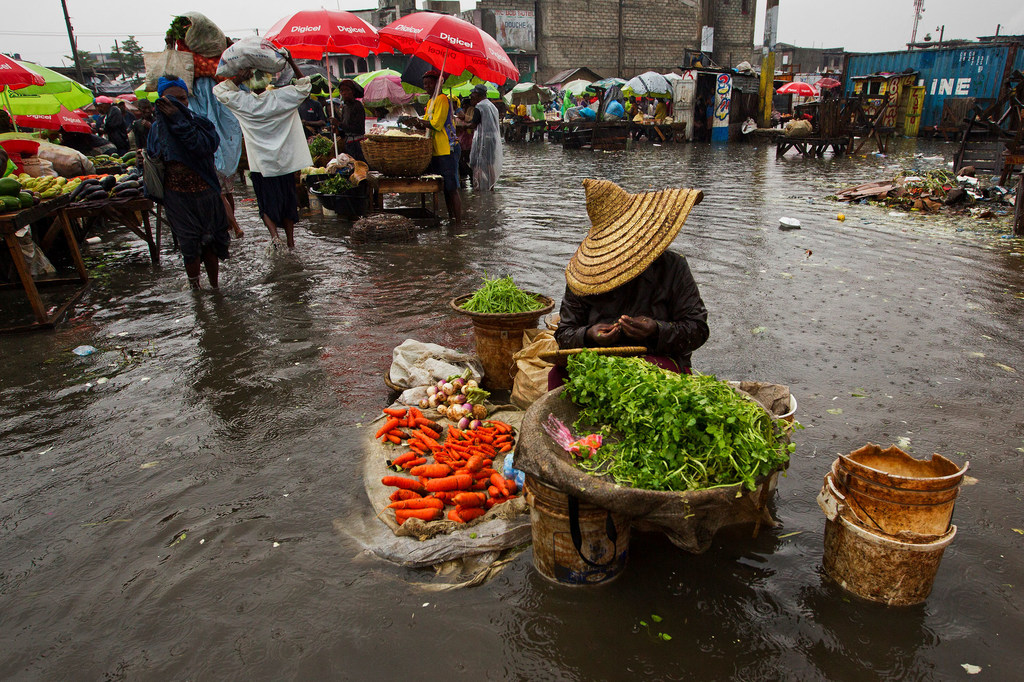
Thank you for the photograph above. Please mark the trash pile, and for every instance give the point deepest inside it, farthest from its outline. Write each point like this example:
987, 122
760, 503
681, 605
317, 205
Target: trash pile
933, 191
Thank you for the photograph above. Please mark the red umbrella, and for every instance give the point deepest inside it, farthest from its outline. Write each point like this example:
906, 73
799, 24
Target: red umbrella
14, 75
68, 120
800, 89
311, 33
450, 44
827, 82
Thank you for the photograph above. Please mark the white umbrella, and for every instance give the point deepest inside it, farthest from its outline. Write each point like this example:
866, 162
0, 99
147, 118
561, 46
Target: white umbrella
649, 84
576, 87
529, 93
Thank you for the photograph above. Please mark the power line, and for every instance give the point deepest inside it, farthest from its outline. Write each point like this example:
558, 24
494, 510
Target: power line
104, 35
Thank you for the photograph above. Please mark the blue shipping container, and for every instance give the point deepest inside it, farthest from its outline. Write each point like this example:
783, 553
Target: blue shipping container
975, 71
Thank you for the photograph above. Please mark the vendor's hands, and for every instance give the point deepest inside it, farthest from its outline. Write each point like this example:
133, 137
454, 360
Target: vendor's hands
639, 328
242, 76
604, 334
166, 107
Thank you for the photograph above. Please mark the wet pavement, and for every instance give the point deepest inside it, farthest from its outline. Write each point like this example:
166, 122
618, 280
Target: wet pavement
200, 514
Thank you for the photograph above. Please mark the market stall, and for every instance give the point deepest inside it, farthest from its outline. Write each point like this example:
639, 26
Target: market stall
17, 224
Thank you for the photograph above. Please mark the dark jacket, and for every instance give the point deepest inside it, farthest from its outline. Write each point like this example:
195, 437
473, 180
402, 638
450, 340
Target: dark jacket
187, 138
665, 291
116, 129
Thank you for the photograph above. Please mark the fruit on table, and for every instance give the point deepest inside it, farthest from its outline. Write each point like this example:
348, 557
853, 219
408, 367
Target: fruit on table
9, 187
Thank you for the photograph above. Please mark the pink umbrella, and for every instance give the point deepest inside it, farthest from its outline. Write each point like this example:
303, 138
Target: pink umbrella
799, 89
827, 82
385, 91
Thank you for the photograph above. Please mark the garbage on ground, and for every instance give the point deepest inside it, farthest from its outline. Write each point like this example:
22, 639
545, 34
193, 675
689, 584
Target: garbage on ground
934, 191
85, 350
789, 224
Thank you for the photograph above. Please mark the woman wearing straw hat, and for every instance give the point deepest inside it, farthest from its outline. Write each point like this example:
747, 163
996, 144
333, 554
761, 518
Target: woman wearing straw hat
624, 288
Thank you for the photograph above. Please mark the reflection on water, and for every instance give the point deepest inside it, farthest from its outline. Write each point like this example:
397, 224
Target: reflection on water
189, 516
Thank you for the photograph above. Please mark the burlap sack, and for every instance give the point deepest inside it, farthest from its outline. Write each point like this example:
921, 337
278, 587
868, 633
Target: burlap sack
204, 37
799, 129
531, 381
689, 519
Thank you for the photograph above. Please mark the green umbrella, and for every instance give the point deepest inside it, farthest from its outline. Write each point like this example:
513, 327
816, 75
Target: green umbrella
142, 93
466, 89
364, 78
48, 98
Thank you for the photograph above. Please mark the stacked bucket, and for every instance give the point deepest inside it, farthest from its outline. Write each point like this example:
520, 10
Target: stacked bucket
889, 519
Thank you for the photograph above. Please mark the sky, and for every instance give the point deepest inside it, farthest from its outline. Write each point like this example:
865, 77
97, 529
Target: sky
39, 33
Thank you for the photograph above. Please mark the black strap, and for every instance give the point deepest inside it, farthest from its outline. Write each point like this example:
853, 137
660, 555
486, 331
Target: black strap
577, 535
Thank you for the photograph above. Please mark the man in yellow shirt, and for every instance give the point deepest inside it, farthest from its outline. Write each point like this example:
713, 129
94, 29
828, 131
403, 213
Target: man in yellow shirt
440, 121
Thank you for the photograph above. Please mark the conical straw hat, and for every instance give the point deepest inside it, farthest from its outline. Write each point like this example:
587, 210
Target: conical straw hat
628, 232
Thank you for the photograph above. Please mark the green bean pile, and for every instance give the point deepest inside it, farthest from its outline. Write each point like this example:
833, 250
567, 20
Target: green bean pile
501, 295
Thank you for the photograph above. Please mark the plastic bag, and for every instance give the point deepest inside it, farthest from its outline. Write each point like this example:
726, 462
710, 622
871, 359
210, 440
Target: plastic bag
799, 129
168, 63
66, 161
419, 364
251, 53
38, 263
203, 36
531, 380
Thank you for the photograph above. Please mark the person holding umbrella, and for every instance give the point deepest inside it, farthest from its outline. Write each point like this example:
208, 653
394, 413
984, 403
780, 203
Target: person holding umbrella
114, 124
440, 121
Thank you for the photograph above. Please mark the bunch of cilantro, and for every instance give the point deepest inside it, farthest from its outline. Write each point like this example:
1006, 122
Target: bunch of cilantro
673, 431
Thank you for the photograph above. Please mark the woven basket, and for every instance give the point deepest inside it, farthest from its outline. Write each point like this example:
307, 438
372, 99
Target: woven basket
404, 156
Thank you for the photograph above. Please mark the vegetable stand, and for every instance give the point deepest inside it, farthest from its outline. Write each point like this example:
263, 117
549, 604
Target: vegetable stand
132, 213
424, 186
10, 225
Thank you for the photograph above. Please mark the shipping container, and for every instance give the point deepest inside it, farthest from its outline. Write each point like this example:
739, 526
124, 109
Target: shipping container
976, 71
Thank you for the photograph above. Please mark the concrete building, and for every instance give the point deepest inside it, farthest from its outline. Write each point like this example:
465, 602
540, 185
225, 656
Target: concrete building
794, 60
617, 37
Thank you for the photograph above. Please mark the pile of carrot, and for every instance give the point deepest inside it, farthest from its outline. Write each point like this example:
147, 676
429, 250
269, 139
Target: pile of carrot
460, 475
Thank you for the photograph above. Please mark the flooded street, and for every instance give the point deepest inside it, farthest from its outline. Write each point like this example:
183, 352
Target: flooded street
201, 515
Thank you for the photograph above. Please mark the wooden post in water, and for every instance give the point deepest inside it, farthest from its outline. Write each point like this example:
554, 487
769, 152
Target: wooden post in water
1018, 211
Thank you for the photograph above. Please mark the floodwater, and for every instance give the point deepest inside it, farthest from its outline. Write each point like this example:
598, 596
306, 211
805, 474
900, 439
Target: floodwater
200, 514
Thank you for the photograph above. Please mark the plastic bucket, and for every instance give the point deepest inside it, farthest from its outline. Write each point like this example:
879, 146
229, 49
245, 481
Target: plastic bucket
499, 337
897, 571
574, 543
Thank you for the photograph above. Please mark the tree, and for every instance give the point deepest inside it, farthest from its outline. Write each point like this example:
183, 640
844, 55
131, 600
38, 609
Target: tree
133, 59
85, 59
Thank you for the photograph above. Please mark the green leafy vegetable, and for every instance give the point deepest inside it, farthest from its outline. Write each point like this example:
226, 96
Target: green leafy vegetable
674, 431
335, 184
320, 146
501, 295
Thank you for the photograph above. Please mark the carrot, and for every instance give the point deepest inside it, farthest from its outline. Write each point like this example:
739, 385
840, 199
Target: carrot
493, 491
394, 439
454, 516
403, 515
430, 432
494, 501
388, 425
447, 496
475, 463
402, 482
479, 485
470, 499
457, 482
431, 443
505, 448
511, 486
452, 431
413, 463
421, 503
498, 481
417, 446
400, 433
403, 458
423, 421
402, 494
431, 470
395, 412
467, 514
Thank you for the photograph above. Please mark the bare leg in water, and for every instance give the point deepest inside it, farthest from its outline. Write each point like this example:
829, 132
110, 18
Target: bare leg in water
454, 201
229, 209
193, 268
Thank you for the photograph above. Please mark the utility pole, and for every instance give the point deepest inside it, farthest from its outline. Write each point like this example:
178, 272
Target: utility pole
767, 85
120, 59
74, 45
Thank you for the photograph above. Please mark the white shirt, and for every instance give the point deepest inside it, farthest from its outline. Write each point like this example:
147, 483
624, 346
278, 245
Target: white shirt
275, 142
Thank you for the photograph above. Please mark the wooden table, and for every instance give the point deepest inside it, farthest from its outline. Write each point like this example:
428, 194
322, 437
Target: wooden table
132, 213
9, 225
424, 185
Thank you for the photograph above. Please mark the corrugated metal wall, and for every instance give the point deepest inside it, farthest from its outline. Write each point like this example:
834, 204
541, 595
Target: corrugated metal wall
1019, 62
975, 71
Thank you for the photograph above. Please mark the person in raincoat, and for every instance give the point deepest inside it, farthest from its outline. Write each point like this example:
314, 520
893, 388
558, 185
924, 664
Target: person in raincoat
485, 157
275, 143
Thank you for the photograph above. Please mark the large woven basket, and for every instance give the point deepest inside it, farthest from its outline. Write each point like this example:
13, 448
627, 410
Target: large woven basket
405, 156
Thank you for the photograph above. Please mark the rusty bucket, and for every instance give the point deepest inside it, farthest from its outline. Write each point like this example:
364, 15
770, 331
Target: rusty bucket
894, 492
897, 571
574, 543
